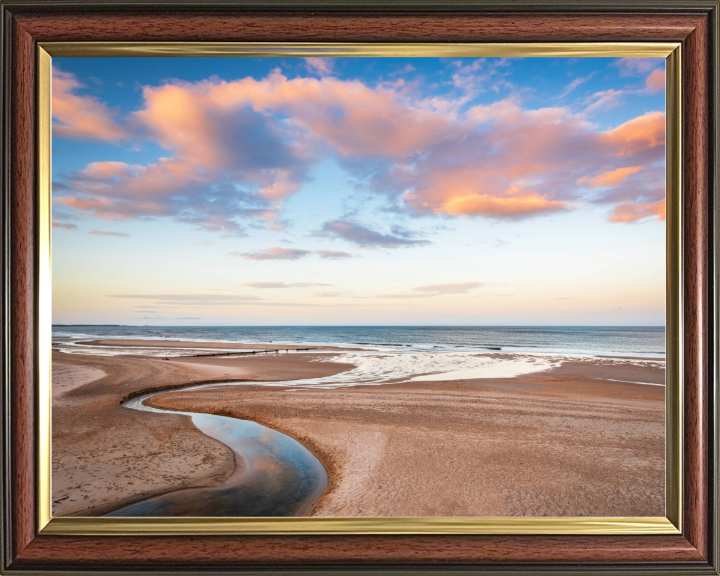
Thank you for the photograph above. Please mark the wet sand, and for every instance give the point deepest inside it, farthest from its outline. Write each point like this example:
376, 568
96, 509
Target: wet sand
106, 456
562, 442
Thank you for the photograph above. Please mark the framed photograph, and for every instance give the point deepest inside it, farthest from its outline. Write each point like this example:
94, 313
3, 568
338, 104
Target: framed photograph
360, 288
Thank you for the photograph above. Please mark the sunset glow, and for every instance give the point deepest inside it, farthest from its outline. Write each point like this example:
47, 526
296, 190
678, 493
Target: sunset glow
359, 191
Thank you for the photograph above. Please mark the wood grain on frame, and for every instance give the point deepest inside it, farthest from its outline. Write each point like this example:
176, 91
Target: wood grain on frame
689, 551
695, 233
358, 27
22, 291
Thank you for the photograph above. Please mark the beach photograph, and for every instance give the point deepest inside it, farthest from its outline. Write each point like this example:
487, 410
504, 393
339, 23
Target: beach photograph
358, 287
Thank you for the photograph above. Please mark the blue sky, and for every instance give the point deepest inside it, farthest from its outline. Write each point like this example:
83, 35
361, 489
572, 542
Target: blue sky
277, 191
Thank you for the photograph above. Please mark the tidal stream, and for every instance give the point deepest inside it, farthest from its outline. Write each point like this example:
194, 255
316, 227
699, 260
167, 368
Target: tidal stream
282, 478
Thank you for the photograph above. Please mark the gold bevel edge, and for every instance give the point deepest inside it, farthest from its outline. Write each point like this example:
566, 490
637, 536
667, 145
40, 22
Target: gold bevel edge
44, 294
591, 526
176, 526
323, 49
673, 322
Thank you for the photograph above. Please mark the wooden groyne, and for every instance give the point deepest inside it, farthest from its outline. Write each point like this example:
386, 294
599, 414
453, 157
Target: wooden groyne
248, 352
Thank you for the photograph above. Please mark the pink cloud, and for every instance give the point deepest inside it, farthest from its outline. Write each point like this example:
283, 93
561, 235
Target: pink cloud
232, 158
527, 163
520, 206
240, 149
632, 212
169, 187
65, 225
104, 170
349, 115
655, 82
219, 131
505, 111
639, 135
81, 117
612, 178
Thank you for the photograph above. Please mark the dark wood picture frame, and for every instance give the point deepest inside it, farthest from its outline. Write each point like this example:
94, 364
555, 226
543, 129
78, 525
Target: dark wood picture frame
693, 23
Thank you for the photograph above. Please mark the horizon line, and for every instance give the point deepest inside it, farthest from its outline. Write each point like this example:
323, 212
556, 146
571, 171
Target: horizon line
366, 325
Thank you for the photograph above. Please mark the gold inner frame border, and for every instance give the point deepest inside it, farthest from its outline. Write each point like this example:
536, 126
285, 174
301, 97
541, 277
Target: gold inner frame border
99, 526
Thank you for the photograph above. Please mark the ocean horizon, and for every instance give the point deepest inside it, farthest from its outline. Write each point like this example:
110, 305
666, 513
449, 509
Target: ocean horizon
626, 340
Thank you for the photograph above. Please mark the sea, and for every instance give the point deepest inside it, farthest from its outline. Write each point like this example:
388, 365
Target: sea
386, 354
595, 340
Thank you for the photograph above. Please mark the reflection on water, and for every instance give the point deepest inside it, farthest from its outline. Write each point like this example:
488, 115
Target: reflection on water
283, 478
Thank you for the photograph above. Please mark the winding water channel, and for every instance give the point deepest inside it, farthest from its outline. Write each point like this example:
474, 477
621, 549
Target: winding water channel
282, 478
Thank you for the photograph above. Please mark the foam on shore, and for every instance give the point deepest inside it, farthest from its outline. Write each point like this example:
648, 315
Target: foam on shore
375, 368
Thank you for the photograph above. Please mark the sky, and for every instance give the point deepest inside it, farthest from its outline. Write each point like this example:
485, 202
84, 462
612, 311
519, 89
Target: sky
358, 191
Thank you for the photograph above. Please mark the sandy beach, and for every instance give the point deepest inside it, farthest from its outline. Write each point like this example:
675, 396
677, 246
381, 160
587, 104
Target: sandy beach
106, 456
579, 439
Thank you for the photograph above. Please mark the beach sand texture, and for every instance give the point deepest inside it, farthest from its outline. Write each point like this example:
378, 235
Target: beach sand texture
561, 442
105, 456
